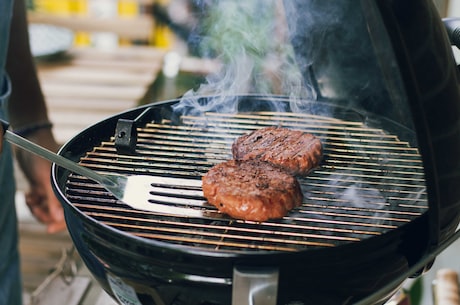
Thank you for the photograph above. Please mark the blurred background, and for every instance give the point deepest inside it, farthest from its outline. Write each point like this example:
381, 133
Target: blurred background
105, 23
96, 58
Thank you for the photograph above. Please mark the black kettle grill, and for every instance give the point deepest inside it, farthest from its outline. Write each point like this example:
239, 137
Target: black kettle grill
383, 204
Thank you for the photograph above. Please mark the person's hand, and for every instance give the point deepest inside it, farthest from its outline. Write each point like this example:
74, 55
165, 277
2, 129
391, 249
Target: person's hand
40, 198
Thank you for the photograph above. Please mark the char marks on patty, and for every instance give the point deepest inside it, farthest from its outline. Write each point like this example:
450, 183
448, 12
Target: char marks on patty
251, 190
296, 151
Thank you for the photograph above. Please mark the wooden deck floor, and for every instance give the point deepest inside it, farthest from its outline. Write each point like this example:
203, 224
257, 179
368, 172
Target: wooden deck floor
82, 88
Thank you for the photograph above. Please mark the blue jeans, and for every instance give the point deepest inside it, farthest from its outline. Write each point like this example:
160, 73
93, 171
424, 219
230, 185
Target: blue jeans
10, 278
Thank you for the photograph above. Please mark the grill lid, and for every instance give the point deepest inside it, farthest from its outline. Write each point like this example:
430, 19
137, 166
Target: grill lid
370, 182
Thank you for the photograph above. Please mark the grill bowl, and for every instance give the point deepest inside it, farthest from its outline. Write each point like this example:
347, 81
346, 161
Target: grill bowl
355, 251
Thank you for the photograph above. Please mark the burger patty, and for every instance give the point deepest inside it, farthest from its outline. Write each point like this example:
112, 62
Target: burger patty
296, 151
251, 190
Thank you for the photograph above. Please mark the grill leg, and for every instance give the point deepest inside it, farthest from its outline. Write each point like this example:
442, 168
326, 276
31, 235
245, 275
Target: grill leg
255, 286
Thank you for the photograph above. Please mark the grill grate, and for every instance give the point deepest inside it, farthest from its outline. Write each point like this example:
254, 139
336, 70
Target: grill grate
370, 182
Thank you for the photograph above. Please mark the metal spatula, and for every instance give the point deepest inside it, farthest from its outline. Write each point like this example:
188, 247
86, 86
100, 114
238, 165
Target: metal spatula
133, 190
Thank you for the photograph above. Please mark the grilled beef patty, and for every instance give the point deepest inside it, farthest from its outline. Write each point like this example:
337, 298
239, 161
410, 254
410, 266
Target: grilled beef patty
251, 190
296, 151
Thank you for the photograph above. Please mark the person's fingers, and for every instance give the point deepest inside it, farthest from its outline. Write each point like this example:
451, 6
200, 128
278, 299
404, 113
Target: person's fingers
47, 210
56, 215
56, 226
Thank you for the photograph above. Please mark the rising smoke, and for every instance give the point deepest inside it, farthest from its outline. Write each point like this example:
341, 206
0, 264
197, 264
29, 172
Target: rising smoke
250, 39
308, 50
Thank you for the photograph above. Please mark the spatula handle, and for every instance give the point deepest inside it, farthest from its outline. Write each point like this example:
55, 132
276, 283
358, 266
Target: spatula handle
51, 156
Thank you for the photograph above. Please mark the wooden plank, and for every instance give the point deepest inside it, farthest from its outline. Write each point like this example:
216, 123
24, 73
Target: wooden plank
76, 121
94, 84
105, 299
123, 53
40, 252
199, 65
65, 134
59, 292
105, 105
82, 119
93, 91
122, 66
140, 27
68, 125
134, 65
85, 74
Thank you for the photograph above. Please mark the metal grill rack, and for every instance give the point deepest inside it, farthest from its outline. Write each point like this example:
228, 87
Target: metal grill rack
369, 182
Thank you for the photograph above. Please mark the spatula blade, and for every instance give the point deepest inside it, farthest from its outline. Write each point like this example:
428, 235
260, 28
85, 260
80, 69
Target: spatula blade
137, 194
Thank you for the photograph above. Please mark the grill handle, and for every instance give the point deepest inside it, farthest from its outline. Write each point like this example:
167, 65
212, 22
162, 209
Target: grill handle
255, 286
453, 30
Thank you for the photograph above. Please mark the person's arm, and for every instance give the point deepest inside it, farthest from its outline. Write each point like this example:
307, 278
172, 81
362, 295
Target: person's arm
28, 112
27, 104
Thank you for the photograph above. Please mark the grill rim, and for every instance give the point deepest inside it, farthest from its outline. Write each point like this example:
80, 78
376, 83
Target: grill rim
103, 130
